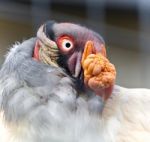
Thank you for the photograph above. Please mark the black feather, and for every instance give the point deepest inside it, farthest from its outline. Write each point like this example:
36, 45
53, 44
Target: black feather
48, 29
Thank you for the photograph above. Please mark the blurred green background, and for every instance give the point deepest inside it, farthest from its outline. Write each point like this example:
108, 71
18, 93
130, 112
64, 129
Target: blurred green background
124, 24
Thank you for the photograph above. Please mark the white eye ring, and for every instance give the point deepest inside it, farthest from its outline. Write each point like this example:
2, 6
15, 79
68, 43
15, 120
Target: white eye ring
67, 44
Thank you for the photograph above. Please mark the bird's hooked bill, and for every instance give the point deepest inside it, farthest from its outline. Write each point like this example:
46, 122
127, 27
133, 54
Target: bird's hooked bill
88, 49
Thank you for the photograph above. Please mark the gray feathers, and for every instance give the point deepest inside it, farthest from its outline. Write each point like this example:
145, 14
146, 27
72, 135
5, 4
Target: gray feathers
40, 100
27, 84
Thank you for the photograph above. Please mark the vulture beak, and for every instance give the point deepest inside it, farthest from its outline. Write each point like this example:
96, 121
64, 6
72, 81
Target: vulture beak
79, 57
78, 65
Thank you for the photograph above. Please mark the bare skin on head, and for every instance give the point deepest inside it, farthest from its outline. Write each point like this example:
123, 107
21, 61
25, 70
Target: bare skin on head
76, 43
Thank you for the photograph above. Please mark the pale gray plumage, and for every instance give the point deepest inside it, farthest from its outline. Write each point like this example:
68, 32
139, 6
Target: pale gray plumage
23, 76
39, 102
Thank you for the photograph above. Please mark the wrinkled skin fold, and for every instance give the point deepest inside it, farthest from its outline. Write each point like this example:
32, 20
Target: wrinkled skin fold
99, 73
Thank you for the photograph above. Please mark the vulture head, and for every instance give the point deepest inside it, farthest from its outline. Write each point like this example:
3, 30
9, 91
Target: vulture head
68, 45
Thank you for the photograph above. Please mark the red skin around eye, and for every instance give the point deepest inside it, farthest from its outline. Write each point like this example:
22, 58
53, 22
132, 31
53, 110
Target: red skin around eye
60, 41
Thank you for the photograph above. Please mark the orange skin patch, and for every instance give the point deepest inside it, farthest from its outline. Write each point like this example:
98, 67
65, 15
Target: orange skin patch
99, 73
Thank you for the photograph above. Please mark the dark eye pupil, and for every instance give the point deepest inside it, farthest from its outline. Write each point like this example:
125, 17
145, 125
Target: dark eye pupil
68, 44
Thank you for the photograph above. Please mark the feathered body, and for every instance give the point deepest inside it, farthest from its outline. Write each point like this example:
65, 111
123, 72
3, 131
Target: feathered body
125, 118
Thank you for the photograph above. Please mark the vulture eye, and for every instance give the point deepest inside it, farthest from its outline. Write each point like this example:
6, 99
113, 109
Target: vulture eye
65, 44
